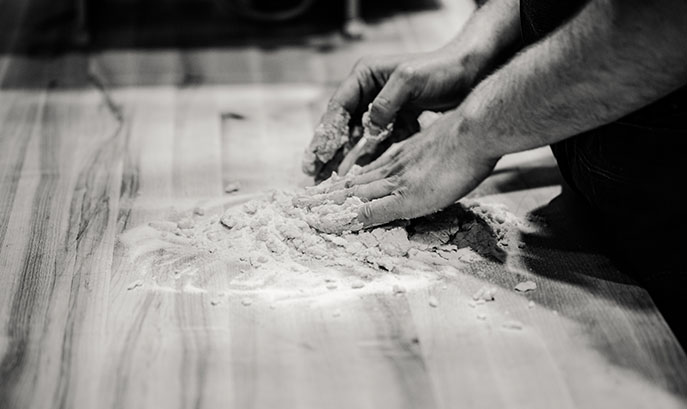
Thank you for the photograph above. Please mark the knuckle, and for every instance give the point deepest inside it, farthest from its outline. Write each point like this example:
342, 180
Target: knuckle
365, 212
380, 105
394, 182
406, 72
362, 65
387, 171
401, 194
398, 167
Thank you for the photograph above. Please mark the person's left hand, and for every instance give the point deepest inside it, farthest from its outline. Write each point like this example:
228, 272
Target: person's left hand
421, 175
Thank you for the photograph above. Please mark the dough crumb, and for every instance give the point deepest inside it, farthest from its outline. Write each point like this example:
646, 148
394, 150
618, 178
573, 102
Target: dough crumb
485, 294
530, 304
482, 316
232, 187
198, 211
432, 301
512, 324
357, 285
397, 289
246, 301
165, 226
186, 224
217, 299
526, 286
135, 284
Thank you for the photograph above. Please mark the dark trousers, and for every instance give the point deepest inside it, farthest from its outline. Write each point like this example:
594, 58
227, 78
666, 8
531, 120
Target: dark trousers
635, 180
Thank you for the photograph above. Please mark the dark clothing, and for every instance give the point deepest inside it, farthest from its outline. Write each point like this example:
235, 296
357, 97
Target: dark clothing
633, 174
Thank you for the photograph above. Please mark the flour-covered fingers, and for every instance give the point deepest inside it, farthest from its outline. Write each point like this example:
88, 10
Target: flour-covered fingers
326, 187
386, 159
366, 192
383, 210
351, 182
371, 176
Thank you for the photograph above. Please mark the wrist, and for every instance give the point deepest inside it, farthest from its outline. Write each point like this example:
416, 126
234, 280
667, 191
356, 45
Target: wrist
467, 133
472, 64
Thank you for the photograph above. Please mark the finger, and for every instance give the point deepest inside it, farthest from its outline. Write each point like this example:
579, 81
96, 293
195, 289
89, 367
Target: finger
366, 192
381, 211
326, 187
364, 82
335, 187
350, 92
362, 176
391, 98
370, 177
351, 158
385, 159
360, 179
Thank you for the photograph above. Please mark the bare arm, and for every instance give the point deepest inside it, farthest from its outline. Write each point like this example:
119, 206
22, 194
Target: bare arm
490, 36
441, 79
615, 57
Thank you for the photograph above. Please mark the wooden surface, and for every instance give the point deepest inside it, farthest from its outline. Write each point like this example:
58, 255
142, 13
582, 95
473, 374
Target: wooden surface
92, 145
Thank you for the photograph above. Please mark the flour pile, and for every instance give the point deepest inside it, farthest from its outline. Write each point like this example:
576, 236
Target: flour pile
275, 247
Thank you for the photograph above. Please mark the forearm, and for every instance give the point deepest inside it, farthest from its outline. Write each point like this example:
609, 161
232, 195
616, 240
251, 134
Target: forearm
491, 35
613, 58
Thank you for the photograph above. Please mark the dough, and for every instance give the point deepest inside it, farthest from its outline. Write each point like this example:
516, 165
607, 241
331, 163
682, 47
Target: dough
330, 135
286, 244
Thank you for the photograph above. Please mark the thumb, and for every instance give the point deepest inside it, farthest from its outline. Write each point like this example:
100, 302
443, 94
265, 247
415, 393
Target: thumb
395, 93
381, 211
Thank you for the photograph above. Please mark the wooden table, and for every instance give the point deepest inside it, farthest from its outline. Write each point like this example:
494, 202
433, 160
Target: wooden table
79, 168
94, 145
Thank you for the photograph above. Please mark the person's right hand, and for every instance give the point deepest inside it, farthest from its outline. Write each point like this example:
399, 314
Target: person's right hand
397, 86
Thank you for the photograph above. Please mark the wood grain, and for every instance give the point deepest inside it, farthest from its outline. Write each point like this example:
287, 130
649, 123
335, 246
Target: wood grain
93, 145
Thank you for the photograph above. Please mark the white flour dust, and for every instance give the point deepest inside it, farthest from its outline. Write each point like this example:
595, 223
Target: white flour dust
275, 248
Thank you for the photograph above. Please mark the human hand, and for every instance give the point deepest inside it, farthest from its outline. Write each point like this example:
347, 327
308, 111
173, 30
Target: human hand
399, 87
421, 175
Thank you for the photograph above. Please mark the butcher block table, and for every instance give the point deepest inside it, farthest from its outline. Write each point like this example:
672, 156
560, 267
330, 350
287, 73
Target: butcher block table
79, 167
93, 146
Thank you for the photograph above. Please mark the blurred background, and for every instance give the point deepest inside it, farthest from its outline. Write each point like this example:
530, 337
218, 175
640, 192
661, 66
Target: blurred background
174, 42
